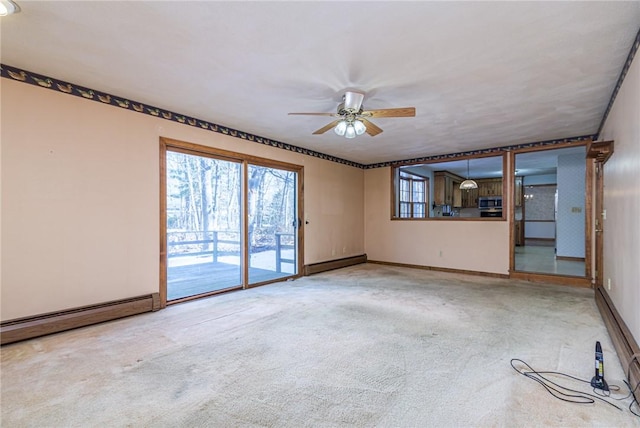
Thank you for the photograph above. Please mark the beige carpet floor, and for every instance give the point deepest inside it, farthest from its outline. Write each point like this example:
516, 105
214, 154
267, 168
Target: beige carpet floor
364, 346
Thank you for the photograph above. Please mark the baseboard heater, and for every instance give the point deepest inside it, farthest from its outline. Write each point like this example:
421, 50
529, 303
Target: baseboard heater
334, 264
39, 325
623, 340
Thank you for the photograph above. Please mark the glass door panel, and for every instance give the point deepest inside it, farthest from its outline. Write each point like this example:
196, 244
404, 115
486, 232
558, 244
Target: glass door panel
272, 222
204, 225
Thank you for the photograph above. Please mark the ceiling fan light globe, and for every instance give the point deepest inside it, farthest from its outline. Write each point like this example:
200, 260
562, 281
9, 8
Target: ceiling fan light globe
8, 7
350, 132
359, 127
340, 128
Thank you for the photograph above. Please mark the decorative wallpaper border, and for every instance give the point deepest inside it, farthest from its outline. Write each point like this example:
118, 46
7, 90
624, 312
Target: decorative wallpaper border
623, 74
46, 82
14, 73
495, 150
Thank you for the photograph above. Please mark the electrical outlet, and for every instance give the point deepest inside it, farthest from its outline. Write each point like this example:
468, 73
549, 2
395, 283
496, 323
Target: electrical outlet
609, 284
604, 214
440, 253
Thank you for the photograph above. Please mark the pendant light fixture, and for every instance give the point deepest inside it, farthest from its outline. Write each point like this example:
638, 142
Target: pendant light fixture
468, 184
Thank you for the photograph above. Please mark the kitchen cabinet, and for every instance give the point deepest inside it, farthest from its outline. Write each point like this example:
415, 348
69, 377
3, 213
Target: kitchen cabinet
486, 187
438, 189
469, 198
490, 187
457, 195
446, 189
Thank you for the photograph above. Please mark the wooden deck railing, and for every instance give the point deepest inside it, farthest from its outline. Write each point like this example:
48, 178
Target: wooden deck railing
215, 241
280, 246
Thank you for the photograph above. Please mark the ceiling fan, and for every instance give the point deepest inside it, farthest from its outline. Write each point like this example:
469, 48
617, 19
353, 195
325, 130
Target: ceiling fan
353, 119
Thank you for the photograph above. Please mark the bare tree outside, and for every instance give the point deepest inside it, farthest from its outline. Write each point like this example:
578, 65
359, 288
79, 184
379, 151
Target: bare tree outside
204, 222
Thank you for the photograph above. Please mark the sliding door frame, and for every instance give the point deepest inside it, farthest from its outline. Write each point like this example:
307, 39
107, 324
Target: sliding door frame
168, 144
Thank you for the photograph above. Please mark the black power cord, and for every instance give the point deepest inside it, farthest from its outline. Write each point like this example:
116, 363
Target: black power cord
632, 392
558, 391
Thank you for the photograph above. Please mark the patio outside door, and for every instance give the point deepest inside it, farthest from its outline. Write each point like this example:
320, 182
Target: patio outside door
231, 222
204, 225
273, 223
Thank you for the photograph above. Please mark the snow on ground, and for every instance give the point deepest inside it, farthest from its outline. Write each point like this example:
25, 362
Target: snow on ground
262, 260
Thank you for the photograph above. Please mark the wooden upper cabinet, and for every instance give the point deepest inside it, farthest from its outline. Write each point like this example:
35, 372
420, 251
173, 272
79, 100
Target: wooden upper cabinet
446, 189
438, 189
490, 187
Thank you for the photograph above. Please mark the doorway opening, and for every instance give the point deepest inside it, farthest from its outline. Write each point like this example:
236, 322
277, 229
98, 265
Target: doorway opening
551, 213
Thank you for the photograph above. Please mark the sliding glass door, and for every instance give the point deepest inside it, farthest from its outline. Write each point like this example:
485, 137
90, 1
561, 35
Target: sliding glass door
273, 223
204, 225
230, 220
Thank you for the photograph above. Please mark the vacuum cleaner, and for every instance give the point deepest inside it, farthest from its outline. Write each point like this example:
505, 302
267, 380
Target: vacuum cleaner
598, 381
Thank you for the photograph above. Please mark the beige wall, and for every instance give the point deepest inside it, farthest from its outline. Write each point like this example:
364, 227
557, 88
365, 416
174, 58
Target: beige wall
80, 200
481, 246
622, 201
80, 205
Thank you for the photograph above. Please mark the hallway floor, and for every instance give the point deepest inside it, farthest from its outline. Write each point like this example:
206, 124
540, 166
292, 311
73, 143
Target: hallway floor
542, 259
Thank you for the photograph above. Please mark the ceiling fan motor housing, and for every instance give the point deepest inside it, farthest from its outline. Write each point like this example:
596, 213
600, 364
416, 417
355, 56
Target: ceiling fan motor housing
342, 111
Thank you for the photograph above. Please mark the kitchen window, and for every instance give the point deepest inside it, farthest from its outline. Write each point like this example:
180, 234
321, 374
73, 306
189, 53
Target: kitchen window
413, 195
431, 190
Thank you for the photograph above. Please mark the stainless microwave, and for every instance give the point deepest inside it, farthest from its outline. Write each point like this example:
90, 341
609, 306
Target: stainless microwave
490, 203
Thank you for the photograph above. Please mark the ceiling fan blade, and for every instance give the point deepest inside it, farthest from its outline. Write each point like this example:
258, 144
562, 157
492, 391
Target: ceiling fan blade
391, 112
353, 100
313, 114
372, 129
326, 128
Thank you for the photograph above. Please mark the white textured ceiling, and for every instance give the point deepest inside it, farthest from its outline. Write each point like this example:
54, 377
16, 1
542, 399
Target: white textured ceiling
480, 74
